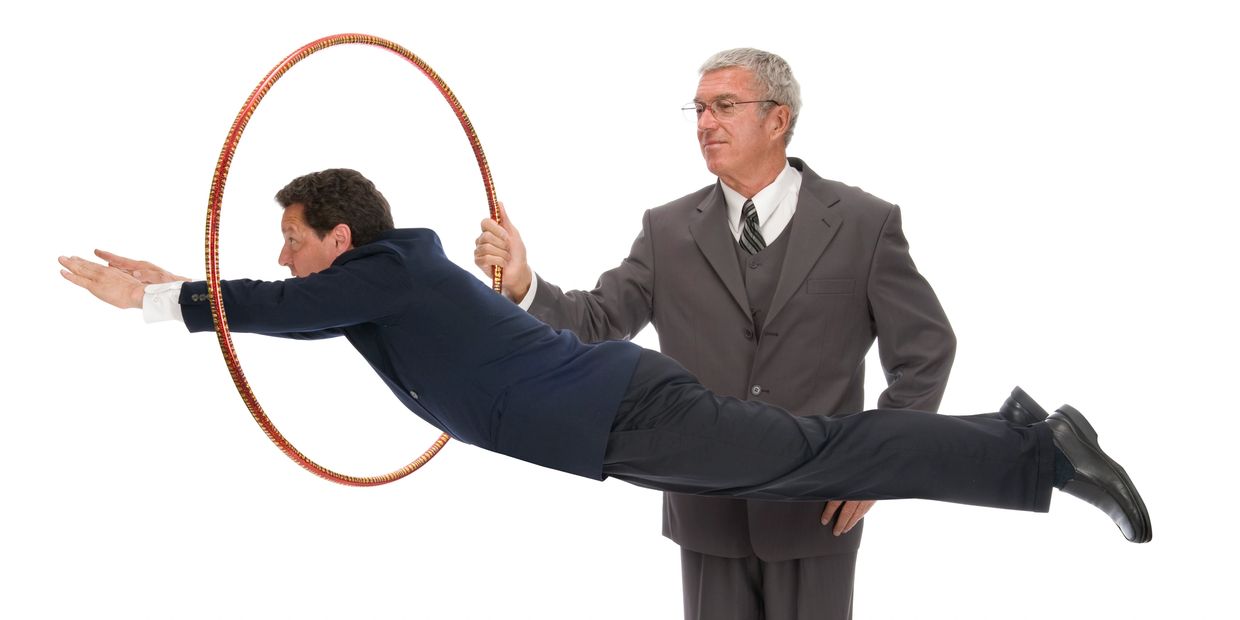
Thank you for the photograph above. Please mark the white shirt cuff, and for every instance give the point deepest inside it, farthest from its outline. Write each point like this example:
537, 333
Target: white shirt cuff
162, 302
528, 300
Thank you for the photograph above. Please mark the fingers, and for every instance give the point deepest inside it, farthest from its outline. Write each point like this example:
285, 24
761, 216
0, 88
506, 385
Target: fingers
851, 514
135, 268
497, 234
493, 227
110, 284
92, 272
500, 245
491, 247
847, 514
82, 268
74, 278
145, 271
832, 507
487, 259
118, 261
847, 511
109, 256
492, 234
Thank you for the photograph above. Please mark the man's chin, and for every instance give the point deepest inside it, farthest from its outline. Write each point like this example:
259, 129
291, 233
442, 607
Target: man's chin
713, 164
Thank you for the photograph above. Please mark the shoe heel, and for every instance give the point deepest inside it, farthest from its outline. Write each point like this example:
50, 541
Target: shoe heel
1080, 422
1023, 402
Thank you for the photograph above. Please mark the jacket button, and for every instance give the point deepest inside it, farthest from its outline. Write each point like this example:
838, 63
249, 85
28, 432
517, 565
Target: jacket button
749, 334
413, 394
755, 390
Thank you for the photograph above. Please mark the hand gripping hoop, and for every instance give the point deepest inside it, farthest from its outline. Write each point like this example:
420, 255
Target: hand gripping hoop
213, 235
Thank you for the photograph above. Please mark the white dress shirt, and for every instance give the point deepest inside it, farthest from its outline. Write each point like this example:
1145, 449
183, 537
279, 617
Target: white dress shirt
775, 204
162, 302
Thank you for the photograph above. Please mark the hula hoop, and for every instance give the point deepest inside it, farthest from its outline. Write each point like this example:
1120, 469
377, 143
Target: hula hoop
213, 233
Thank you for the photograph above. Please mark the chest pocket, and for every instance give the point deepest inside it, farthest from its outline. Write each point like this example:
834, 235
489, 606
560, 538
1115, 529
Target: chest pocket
830, 286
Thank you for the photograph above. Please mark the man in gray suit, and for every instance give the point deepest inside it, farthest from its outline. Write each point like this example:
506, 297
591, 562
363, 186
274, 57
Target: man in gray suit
771, 284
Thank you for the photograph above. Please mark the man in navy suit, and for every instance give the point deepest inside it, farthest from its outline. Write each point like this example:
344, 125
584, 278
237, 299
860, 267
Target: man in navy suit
482, 370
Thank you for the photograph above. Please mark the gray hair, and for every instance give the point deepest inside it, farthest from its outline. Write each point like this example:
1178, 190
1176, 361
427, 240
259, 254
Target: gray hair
772, 73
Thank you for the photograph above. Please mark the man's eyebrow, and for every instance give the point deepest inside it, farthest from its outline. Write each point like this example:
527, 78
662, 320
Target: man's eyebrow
719, 97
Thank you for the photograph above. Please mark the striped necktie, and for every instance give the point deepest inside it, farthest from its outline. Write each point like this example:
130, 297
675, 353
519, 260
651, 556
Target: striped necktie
751, 238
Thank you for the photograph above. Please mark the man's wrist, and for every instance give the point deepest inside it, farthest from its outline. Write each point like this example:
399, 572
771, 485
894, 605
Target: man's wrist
161, 302
136, 294
526, 298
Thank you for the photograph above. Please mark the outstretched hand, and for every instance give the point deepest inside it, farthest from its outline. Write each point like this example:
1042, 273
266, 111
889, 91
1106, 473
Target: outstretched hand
110, 284
501, 246
145, 272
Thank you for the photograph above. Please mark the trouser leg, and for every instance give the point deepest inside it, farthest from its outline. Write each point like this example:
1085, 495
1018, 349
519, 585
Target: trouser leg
748, 588
818, 588
672, 434
718, 588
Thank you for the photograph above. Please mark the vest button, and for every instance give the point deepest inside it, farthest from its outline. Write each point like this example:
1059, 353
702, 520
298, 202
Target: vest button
755, 390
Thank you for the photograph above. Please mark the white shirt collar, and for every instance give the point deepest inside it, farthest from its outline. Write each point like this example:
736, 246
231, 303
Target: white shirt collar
775, 204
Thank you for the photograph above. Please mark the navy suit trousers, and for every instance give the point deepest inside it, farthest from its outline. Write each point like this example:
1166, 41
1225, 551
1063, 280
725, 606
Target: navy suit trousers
672, 434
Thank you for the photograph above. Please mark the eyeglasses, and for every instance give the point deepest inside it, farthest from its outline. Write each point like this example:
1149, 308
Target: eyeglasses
721, 108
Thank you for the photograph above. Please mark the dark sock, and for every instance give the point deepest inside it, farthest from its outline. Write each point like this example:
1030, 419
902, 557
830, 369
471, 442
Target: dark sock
1064, 471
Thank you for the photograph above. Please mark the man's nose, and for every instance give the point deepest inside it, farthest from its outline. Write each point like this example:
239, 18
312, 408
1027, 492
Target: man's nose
706, 120
284, 258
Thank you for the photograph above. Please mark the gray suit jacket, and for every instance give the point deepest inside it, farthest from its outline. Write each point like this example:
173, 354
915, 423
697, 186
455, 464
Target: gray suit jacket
846, 279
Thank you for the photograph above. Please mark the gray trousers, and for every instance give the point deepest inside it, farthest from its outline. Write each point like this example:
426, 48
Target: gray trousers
817, 588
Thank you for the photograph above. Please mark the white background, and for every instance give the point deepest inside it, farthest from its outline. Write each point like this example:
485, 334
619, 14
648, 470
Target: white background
1067, 172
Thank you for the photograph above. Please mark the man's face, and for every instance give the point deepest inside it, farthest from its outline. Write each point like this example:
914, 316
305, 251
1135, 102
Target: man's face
732, 146
304, 252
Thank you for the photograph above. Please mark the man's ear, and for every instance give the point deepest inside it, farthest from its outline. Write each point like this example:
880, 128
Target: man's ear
777, 121
342, 237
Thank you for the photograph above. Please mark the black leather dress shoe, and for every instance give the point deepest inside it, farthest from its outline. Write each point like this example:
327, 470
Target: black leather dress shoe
1021, 410
1097, 479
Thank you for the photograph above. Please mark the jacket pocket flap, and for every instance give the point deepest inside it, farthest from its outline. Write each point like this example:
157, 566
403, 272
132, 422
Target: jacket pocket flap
830, 286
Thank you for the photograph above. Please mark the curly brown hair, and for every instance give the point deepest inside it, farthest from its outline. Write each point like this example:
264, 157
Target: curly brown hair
339, 196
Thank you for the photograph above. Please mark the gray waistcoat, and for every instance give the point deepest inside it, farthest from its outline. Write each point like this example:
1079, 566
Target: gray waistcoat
761, 273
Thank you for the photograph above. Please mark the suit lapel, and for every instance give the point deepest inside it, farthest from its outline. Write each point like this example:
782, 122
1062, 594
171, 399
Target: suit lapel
710, 231
812, 228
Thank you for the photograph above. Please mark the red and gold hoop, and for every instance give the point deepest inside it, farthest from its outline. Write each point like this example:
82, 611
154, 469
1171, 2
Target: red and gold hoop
213, 234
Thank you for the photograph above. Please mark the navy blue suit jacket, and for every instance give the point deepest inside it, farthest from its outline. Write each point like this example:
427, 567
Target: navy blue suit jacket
458, 355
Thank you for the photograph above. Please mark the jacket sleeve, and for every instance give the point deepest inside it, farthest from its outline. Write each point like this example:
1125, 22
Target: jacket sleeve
621, 304
317, 306
916, 345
